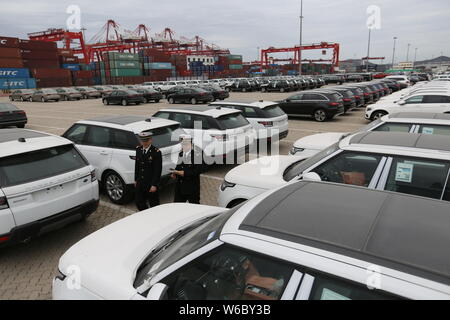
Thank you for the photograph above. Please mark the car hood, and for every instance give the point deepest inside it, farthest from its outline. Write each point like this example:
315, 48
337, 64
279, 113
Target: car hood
319, 141
262, 173
108, 258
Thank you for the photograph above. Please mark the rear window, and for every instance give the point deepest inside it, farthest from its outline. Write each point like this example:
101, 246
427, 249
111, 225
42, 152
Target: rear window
336, 96
41, 164
7, 107
166, 136
232, 121
273, 111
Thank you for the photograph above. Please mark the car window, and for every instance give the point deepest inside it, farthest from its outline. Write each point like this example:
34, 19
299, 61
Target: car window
124, 140
184, 119
416, 99
394, 127
8, 107
249, 112
273, 111
435, 99
349, 168
40, 164
297, 97
99, 136
229, 273
310, 97
166, 136
420, 177
232, 121
163, 115
331, 288
201, 122
434, 129
77, 133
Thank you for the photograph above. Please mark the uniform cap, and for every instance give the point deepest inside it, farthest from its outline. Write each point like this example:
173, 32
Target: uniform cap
185, 137
145, 136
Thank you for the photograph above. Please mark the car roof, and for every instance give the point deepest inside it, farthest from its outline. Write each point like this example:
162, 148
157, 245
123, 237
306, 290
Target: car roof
130, 122
420, 116
34, 140
214, 112
403, 232
258, 104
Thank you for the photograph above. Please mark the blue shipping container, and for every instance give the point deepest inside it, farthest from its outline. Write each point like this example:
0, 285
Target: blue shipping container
158, 66
71, 66
14, 73
17, 83
31, 83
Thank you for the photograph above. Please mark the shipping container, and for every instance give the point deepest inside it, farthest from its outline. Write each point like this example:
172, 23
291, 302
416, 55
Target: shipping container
125, 72
12, 53
8, 83
39, 55
31, 83
50, 73
234, 57
82, 74
122, 56
14, 73
121, 64
37, 45
71, 66
53, 82
158, 66
40, 64
69, 60
7, 42
11, 63
235, 66
65, 52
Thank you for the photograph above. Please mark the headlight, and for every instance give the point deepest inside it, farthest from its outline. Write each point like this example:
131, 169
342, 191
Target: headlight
225, 184
294, 150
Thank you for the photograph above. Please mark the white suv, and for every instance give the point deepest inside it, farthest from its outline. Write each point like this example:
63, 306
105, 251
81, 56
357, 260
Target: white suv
45, 183
109, 143
306, 241
417, 164
266, 117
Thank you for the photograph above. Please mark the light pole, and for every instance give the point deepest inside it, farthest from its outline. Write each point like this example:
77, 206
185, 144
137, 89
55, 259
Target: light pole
393, 53
415, 57
407, 53
368, 50
301, 40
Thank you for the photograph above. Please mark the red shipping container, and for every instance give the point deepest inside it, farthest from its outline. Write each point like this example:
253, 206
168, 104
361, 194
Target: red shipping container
235, 62
6, 42
82, 74
37, 45
41, 64
53, 82
51, 73
72, 59
13, 53
39, 55
11, 63
65, 52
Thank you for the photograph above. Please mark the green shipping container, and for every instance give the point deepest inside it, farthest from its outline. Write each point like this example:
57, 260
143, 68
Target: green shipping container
121, 64
235, 66
123, 56
126, 72
234, 57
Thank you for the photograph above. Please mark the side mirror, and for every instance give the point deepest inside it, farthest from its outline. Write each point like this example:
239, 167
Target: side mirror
401, 103
158, 292
312, 176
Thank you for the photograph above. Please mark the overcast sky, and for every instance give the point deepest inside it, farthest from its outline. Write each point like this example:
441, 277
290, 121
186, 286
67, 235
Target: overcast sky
244, 25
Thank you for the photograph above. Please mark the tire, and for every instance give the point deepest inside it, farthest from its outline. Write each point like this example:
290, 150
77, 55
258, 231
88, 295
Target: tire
66, 98
157, 101
320, 115
21, 126
263, 89
105, 102
30, 99
193, 101
22, 99
244, 90
116, 189
282, 90
124, 102
235, 203
11, 99
146, 100
42, 99
377, 115
171, 101
138, 103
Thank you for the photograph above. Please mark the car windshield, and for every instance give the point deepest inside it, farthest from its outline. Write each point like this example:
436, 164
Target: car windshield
297, 168
50, 91
131, 92
273, 111
166, 136
232, 121
37, 165
180, 244
7, 107
70, 90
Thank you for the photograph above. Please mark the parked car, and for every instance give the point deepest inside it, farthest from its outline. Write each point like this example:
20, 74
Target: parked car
427, 123
104, 90
334, 79
190, 95
124, 97
10, 115
354, 78
402, 80
239, 85
45, 95
420, 102
321, 106
45, 184
68, 94
221, 133
277, 85
358, 94
217, 92
150, 95
347, 97
266, 117
393, 85
306, 241
416, 164
21, 95
88, 92
109, 143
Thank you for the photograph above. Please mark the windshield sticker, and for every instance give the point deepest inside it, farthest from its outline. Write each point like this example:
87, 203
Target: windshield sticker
404, 172
331, 295
426, 130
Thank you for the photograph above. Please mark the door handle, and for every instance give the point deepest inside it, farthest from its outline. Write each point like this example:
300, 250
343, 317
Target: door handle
104, 153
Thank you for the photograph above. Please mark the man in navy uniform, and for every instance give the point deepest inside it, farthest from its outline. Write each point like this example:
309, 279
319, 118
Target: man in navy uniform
187, 173
147, 172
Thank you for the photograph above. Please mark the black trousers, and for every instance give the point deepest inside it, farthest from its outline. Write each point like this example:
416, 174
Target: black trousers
191, 198
145, 199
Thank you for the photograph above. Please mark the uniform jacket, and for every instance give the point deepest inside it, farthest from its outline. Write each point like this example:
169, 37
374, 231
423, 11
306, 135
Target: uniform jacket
190, 183
148, 167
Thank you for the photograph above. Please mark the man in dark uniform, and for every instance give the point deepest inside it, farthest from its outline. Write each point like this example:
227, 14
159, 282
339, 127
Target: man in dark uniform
187, 173
147, 172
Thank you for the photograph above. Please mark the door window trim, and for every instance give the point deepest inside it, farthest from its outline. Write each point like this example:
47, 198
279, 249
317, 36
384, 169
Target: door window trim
305, 288
385, 174
446, 185
292, 286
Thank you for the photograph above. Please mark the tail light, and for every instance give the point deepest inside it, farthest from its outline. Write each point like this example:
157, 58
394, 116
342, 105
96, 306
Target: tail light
266, 123
357, 97
93, 176
334, 104
347, 100
3, 203
220, 137
4, 239
20, 112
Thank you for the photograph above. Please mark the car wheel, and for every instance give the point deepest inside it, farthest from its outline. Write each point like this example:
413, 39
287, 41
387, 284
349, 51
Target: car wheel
11, 98
282, 90
213, 100
193, 101
124, 102
157, 101
320, 115
105, 102
378, 114
42, 99
171, 101
21, 126
263, 89
30, 99
22, 99
66, 98
235, 203
116, 189
138, 103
